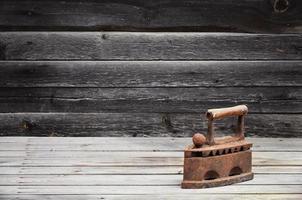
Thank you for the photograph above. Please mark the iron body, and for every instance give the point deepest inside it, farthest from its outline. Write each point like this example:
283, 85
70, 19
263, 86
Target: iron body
218, 161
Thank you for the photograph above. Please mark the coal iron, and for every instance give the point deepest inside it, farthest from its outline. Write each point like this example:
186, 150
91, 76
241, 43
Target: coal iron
212, 162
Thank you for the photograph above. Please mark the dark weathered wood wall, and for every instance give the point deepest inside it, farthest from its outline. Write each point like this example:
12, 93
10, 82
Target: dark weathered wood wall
148, 68
266, 16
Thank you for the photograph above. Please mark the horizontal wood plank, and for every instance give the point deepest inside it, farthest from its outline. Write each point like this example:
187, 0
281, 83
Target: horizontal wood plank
150, 73
132, 180
151, 190
19, 145
130, 170
156, 197
140, 124
148, 46
156, 15
93, 159
156, 100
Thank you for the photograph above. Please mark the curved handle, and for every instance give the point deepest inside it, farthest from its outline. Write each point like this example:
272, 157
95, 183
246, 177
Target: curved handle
213, 114
227, 112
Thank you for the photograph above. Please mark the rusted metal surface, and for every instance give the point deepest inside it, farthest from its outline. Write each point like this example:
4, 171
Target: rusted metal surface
212, 162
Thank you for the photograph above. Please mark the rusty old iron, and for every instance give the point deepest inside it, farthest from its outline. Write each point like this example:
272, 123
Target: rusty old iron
212, 162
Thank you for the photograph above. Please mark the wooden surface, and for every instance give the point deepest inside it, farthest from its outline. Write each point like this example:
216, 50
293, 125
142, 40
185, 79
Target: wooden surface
147, 98
148, 46
277, 16
149, 68
150, 74
135, 168
283, 100
142, 124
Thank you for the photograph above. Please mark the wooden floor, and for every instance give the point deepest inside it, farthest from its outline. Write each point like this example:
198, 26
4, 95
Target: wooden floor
135, 168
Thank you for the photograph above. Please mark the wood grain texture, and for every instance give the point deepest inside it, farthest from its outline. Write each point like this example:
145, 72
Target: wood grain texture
67, 173
130, 159
157, 15
132, 180
149, 190
17, 145
130, 170
148, 46
150, 73
145, 100
141, 124
155, 197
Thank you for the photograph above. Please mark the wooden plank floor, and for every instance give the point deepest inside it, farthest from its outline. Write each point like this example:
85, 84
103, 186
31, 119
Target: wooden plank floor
135, 168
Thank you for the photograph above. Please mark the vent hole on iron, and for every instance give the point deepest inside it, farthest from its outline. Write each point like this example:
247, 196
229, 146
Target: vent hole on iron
235, 171
211, 175
211, 153
196, 154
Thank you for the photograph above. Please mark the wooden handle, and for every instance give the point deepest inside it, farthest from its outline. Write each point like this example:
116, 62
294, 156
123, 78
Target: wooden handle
219, 113
226, 112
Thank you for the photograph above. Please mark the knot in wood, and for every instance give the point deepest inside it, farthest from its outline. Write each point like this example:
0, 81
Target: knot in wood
280, 6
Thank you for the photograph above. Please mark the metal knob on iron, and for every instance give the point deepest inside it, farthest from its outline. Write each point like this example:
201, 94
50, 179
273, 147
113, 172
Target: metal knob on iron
198, 139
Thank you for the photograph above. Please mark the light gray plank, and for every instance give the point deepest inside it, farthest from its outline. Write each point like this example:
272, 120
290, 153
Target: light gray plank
152, 190
148, 46
76, 159
19, 144
130, 170
132, 180
157, 197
